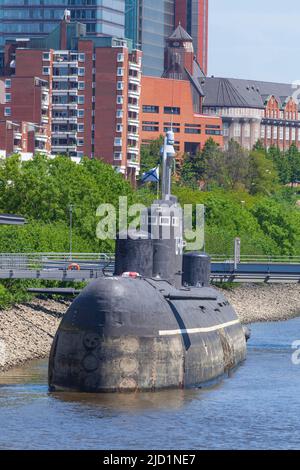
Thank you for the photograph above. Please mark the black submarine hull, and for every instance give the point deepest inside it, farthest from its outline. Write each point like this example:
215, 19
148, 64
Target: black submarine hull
124, 335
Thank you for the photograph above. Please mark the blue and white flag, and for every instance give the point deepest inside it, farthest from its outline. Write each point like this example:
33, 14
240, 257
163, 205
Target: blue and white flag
151, 176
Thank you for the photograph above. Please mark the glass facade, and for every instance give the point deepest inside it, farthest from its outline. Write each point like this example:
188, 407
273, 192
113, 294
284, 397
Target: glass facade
156, 23
32, 18
131, 20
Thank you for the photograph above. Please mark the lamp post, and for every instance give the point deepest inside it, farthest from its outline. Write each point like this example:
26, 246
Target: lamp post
70, 231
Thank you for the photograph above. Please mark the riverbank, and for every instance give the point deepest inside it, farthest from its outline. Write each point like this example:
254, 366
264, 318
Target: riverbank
27, 331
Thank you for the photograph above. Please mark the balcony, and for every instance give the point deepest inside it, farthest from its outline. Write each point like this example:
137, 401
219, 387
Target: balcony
64, 148
62, 119
133, 150
134, 93
136, 80
41, 137
61, 133
133, 107
72, 105
134, 66
133, 136
133, 122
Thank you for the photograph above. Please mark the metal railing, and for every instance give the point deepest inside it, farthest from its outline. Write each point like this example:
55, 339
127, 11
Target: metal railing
257, 259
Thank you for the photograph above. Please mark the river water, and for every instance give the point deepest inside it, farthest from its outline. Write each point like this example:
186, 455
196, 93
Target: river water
257, 407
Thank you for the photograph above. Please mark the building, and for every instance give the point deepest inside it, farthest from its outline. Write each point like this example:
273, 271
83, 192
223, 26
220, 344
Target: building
193, 16
38, 18
175, 100
92, 107
24, 138
254, 110
150, 22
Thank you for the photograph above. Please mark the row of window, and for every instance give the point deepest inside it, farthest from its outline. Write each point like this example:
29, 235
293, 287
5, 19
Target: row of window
61, 72
153, 126
281, 133
155, 109
73, 57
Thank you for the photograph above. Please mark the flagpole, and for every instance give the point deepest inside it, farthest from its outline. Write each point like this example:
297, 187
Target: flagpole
157, 186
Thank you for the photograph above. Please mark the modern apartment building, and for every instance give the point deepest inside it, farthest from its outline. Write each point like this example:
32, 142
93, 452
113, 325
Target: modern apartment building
94, 93
254, 110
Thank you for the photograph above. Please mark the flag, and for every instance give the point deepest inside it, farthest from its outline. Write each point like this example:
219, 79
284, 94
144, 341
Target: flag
151, 176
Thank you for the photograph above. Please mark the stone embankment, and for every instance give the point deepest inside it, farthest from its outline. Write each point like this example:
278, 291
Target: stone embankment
27, 331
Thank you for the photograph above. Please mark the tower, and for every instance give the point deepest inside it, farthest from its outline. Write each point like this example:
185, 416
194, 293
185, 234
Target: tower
193, 16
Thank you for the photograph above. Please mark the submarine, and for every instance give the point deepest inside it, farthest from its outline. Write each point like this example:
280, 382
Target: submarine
156, 323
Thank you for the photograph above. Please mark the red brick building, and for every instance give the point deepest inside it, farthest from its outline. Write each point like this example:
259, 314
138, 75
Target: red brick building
24, 138
176, 99
92, 107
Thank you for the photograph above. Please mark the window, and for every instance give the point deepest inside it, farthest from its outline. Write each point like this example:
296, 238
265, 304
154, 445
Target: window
46, 56
120, 85
293, 134
81, 57
80, 142
8, 83
247, 130
120, 57
7, 97
7, 111
287, 133
46, 70
81, 71
191, 130
262, 132
80, 154
150, 126
119, 128
275, 132
120, 71
237, 130
148, 108
175, 127
119, 99
269, 132
171, 110
81, 99
80, 113
281, 133
81, 85
119, 113
80, 128
117, 156
118, 141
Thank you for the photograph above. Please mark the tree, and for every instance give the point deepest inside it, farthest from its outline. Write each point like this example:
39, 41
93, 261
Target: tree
150, 155
262, 176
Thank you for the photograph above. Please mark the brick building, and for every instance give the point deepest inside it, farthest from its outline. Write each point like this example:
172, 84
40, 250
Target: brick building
176, 99
92, 104
24, 138
254, 110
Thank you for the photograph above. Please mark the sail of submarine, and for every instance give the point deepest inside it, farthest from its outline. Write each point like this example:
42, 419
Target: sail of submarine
162, 328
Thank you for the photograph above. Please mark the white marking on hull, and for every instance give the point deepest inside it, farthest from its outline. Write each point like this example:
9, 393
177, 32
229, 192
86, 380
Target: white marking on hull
198, 330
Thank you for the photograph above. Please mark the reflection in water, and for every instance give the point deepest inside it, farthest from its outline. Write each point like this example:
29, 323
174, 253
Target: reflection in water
258, 407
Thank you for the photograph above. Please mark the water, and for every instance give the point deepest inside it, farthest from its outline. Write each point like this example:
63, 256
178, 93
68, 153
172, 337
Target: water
259, 407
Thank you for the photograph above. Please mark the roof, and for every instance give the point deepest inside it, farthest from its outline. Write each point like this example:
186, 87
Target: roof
234, 92
180, 34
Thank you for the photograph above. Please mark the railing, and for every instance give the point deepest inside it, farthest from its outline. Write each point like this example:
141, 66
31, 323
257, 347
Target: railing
257, 259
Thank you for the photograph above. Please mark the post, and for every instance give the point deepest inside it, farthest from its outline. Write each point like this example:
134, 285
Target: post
237, 252
71, 222
168, 154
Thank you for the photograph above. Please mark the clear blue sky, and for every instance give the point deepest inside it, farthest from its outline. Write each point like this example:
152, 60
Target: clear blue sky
255, 39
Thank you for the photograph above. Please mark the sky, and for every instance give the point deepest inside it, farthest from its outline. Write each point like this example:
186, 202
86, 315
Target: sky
255, 39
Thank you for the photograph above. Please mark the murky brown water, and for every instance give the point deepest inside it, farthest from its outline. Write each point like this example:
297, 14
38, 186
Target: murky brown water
259, 407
